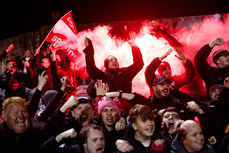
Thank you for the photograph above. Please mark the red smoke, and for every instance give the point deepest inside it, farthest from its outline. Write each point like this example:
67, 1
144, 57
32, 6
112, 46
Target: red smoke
192, 39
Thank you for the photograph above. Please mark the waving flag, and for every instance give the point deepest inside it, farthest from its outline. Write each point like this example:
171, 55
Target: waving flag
63, 30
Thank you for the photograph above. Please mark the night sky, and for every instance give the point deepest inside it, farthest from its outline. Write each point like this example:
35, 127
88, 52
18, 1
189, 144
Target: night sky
23, 16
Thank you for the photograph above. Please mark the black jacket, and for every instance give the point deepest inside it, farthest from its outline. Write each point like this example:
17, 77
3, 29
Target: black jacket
28, 142
116, 80
176, 147
137, 145
65, 146
176, 99
8, 81
210, 75
59, 123
212, 122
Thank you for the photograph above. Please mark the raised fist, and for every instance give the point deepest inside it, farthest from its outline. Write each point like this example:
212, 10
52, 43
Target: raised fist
217, 41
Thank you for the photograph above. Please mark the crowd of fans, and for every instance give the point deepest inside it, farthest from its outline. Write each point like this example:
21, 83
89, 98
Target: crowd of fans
63, 111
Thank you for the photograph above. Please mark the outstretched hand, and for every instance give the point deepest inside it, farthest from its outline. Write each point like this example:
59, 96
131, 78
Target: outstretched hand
180, 55
101, 88
64, 82
87, 41
165, 54
42, 80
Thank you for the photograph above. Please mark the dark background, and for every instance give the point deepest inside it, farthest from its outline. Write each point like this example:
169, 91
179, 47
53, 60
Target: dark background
23, 16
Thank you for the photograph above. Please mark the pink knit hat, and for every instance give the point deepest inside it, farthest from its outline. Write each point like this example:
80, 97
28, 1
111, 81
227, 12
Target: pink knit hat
103, 102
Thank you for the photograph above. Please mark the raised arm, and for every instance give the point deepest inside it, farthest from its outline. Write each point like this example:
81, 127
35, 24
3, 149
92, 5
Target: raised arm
52, 106
10, 47
202, 66
189, 69
152, 67
52, 144
203, 53
33, 104
56, 123
137, 65
133, 98
92, 70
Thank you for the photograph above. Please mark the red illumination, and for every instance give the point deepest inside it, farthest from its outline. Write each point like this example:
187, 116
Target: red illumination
192, 39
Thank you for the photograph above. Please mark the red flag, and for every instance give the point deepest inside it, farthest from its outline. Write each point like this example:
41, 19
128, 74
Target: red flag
64, 29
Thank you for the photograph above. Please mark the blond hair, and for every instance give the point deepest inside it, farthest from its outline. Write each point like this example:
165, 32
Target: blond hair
14, 100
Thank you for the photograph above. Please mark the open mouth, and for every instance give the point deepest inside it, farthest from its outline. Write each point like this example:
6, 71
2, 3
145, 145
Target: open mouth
149, 129
99, 149
83, 118
165, 91
21, 122
110, 119
170, 123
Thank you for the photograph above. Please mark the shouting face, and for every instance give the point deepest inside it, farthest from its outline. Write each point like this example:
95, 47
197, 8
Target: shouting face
112, 63
169, 120
162, 90
17, 118
109, 116
83, 113
95, 142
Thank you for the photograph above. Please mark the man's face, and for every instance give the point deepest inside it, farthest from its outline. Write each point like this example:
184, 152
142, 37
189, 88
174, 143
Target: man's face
167, 72
112, 63
109, 116
95, 142
28, 54
215, 94
144, 128
223, 61
162, 90
194, 140
83, 113
17, 118
46, 63
169, 120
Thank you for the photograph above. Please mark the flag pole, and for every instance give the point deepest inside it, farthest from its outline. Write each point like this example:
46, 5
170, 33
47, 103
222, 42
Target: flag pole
38, 49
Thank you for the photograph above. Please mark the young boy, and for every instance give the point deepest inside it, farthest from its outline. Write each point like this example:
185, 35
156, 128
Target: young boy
140, 135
